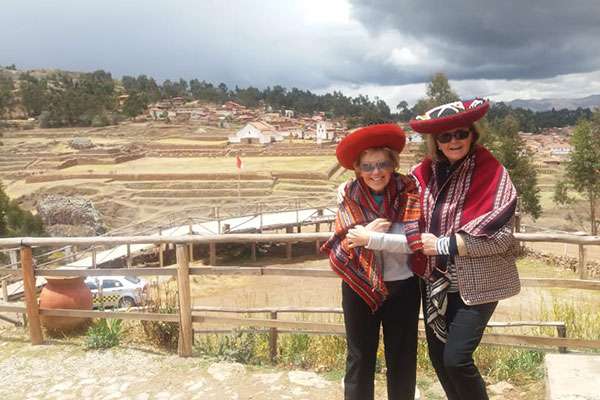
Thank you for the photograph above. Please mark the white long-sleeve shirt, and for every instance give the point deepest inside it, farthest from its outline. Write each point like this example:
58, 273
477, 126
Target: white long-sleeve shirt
391, 249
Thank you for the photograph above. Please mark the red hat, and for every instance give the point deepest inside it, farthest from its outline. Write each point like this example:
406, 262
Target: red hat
380, 135
450, 116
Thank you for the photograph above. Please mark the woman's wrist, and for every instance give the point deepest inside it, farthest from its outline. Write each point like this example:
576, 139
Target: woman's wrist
447, 245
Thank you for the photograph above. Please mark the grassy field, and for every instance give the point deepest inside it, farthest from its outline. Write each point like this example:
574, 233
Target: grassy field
215, 165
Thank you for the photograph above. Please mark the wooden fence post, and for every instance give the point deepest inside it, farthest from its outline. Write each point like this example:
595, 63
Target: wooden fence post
69, 253
253, 252
218, 220
260, 216
14, 259
5, 290
191, 245
161, 257
561, 331
75, 249
212, 253
273, 339
31, 303
129, 260
184, 344
94, 257
318, 224
288, 246
581, 265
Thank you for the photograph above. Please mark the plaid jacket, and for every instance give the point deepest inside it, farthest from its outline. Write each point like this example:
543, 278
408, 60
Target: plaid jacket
488, 271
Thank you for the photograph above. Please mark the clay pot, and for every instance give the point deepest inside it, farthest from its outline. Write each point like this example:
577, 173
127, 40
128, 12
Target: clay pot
69, 293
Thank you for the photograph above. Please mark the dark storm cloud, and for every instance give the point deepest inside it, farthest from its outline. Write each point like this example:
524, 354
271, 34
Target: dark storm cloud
304, 43
494, 39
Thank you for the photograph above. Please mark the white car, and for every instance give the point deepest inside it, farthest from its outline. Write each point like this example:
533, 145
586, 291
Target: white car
117, 291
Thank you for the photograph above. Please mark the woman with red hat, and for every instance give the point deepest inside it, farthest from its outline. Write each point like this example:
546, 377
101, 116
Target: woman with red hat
378, 287
467, 206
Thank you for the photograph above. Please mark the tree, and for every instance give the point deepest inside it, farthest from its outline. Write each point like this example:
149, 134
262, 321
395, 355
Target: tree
509, 148
135, 104
583, 167
403, 105
6, 96
15, 221
439, 91
33, 94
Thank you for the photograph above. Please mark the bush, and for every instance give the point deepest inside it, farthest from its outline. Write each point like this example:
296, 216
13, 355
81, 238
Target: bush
45, 120
246, 348
164, 334
100, 120
104, 334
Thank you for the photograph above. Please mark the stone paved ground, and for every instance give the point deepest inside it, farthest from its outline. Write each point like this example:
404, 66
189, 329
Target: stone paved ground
63, 370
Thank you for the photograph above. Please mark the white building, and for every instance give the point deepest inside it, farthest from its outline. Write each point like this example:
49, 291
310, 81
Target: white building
325, 132
415, 138
560, 151
257, 133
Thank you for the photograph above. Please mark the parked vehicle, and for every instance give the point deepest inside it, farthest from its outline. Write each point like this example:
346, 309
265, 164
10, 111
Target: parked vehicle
117, 291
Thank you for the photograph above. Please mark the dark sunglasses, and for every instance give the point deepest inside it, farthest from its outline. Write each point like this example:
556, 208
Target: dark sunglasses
446, 137
381, 165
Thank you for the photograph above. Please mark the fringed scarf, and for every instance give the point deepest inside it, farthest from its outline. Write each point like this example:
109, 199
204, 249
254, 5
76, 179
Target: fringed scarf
479, 198
359, 267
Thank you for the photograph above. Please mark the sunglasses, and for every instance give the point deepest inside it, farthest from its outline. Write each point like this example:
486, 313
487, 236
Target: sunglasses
446, 137
381, 165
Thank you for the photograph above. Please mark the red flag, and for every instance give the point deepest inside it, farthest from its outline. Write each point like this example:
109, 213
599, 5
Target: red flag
238, 162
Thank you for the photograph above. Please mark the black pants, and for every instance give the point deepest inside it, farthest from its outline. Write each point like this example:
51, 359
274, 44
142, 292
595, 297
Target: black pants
453, 361
399, 316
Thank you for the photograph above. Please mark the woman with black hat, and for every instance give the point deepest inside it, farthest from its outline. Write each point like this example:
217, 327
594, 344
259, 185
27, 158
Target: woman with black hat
378, 287
467, 206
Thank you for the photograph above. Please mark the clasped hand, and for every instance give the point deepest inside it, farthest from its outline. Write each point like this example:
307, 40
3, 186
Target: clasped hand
429, 240
359, 235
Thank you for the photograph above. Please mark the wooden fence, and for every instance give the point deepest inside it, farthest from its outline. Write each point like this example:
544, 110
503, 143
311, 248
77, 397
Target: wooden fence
188, 315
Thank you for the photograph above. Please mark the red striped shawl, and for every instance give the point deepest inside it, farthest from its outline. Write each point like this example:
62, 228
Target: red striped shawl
359, 267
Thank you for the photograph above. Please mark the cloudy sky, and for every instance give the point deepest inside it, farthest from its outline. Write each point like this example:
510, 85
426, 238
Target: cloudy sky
388, 48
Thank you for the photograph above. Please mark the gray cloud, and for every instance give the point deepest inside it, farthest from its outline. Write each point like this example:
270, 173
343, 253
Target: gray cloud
305, 43
494, 39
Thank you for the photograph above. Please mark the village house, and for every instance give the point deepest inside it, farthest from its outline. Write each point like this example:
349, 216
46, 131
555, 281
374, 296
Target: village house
415, 138
177, 101
325, 132
233, 107
256, 133
560, 151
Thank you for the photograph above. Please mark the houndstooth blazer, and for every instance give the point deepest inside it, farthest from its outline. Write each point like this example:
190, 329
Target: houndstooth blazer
486, 268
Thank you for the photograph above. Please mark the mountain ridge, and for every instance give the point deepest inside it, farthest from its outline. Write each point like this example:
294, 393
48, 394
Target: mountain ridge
591, 101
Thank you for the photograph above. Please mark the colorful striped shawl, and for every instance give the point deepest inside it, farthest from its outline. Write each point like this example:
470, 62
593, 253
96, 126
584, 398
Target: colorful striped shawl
359, 267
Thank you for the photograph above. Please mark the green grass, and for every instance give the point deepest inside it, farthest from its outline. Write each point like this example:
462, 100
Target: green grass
534, 268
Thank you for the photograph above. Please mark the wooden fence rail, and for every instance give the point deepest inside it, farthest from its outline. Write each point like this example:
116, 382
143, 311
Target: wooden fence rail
188, 315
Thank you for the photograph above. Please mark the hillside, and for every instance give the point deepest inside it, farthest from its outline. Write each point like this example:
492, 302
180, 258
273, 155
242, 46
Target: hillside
558, 104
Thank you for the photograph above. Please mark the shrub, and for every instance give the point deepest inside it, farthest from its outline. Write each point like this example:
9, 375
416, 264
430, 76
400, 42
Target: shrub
164, 334
242, 347
100, 120
105, 334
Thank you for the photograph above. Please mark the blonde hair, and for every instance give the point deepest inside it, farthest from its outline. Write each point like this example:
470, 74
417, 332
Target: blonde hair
392, 155
436, 154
